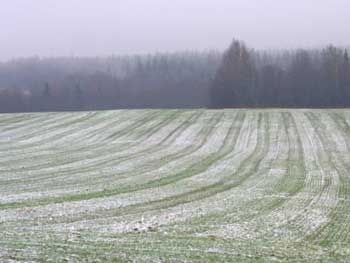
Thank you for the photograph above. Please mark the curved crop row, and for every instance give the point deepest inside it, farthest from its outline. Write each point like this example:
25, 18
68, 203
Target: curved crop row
176, 186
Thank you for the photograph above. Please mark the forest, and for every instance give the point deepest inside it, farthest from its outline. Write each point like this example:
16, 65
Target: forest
240, 77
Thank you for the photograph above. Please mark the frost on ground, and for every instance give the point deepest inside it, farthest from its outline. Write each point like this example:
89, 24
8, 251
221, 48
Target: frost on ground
175, 186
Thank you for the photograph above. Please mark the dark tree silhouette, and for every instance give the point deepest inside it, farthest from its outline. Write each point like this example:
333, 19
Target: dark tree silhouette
239, 77
233, 85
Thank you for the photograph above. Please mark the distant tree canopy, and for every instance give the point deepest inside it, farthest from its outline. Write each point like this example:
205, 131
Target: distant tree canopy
178, 80
234, 81
297, 78
239, 77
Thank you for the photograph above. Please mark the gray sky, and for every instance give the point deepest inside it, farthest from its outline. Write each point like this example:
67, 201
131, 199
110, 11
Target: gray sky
104, 27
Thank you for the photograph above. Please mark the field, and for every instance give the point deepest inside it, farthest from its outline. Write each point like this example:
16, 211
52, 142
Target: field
175, 186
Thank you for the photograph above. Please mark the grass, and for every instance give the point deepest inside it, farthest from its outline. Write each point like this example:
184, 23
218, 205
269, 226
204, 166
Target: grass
175, 186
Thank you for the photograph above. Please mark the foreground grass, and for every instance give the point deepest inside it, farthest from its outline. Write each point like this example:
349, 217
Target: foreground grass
175, 186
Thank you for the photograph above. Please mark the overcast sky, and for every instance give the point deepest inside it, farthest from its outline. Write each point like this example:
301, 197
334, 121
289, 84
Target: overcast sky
104, 27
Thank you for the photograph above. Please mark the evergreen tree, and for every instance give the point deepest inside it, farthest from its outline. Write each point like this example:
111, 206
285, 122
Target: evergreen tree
78, 97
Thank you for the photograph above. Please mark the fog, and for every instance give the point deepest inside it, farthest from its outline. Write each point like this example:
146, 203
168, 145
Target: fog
99, 28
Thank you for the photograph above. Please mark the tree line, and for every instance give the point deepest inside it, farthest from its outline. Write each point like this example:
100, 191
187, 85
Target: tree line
238, 77
295, 78
177, 80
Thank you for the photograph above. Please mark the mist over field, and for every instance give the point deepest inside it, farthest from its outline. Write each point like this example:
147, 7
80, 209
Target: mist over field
102, 28
194, 131
88, 55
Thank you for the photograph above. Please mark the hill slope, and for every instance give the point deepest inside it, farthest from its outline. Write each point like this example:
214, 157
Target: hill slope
159, 185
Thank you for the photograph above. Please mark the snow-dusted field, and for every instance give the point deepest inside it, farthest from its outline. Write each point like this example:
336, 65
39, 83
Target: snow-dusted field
175, 186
